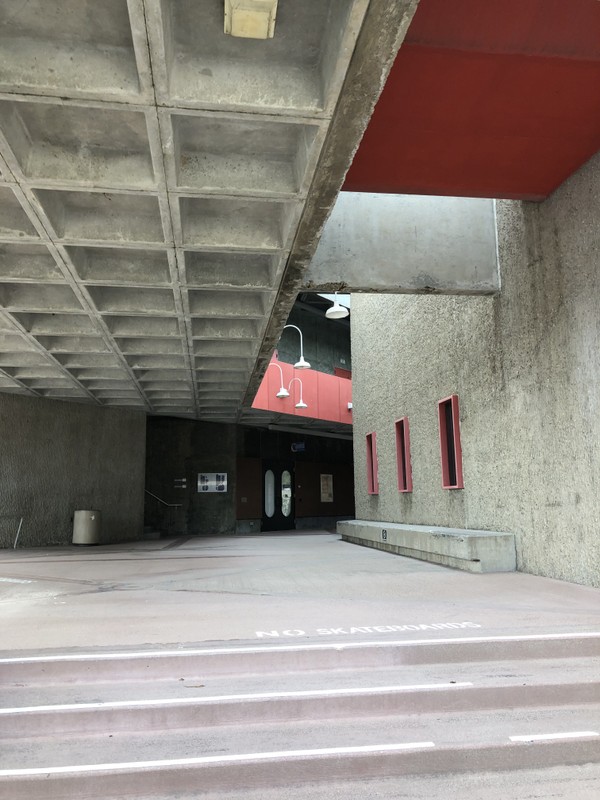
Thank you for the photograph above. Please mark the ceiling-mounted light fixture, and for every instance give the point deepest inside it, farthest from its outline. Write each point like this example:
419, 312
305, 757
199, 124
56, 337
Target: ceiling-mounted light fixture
336, 311
283, 392
301, 363
301, 403
250, 19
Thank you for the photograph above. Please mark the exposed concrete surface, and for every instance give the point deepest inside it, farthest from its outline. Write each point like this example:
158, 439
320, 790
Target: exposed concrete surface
474, 551
383, 31
153, 173
406, 243
370, 711
525, 368
57, 458
230, 588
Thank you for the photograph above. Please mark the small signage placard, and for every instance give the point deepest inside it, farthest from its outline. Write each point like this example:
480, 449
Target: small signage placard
212, 481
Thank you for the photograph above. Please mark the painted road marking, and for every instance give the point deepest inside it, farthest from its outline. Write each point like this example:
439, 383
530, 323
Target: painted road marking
14, 580
352, 631
542, 737
291, 648
229, 697
185, 762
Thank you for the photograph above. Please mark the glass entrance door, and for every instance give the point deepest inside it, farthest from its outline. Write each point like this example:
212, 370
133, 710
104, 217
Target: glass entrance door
278, 496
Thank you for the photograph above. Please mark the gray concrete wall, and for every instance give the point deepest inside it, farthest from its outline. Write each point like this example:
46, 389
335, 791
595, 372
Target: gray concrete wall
525, 366
407, 243
179, 448
57, 457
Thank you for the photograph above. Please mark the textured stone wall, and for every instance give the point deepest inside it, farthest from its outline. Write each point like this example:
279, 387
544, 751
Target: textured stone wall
526, 367
58, 457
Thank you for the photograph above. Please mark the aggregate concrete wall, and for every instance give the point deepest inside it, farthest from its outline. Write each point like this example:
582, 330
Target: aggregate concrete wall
525, 366
58, 457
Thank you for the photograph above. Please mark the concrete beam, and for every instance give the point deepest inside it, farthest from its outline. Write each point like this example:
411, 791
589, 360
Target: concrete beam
381, 35
407, 244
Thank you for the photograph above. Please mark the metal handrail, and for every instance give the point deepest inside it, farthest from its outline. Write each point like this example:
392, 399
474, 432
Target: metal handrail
164, 502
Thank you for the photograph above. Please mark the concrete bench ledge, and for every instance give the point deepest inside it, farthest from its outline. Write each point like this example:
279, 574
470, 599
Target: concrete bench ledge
474, 551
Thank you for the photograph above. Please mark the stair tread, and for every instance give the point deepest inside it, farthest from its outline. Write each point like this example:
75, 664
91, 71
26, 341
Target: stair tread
462, 729
181, 686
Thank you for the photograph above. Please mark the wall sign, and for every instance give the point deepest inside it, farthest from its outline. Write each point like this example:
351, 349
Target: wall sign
212, 481
327, 488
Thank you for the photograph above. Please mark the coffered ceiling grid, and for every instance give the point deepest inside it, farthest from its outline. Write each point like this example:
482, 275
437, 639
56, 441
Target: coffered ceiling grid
153, 173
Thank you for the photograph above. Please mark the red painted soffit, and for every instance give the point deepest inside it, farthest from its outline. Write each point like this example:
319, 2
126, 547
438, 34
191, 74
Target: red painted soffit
487, 98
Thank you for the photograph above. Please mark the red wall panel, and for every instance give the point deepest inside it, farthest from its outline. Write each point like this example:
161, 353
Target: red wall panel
326, 396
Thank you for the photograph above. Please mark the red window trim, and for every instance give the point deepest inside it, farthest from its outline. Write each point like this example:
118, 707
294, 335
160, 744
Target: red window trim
403, 463
372, 464
450, 446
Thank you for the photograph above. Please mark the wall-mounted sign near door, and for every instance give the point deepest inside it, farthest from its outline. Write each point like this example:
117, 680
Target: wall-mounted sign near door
212, 481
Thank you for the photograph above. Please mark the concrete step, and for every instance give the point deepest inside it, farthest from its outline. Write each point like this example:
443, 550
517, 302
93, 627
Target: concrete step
581, 782
368, 753
123, 724
158, 713
268, 659
178, 686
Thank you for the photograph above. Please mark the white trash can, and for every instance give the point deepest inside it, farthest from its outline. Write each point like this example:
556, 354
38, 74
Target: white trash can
86, 527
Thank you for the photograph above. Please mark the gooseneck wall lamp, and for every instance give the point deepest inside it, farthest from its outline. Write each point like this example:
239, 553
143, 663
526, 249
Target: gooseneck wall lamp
301, 403
283, 392
301, 364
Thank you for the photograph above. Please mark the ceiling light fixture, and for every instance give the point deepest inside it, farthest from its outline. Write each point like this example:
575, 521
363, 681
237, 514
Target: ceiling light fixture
251, 19
301, 363
283, 392
336, 311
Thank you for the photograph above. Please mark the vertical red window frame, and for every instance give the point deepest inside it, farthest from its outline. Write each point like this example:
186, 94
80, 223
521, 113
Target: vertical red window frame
372, 466
403, 463
450, 446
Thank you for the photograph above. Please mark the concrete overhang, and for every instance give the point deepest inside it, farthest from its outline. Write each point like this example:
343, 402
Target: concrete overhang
163, 185
408, 244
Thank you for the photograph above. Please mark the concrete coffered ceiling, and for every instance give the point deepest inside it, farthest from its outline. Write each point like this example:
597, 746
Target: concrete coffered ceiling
153, 174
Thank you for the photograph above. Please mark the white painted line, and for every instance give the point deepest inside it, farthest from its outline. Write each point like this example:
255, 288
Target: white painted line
189, 762
14, 580
158, 654
191, 701
542, 737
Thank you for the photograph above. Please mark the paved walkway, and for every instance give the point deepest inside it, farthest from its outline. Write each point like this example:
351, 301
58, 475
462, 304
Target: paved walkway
272, 588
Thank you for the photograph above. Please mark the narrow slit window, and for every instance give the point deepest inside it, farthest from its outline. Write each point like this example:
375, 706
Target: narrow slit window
405, 483
451, 451
372, 478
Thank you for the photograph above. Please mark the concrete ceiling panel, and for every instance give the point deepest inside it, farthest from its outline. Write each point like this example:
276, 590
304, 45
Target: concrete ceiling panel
80, 145
153, 174
28, 263
72, 47
242, 155
103, 217
14, 222
230, 270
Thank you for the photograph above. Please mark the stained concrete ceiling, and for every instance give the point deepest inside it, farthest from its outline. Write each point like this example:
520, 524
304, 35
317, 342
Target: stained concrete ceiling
153, 175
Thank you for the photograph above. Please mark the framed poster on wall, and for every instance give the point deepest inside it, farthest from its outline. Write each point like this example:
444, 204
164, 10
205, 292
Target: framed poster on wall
212, 481
326, 488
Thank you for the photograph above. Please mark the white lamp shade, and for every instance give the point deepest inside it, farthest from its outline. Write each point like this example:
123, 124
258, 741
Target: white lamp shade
302, 364
301, 404
283, 392
336, 311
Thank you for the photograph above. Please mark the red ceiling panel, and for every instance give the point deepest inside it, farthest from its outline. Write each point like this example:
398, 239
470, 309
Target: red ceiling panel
498, 98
